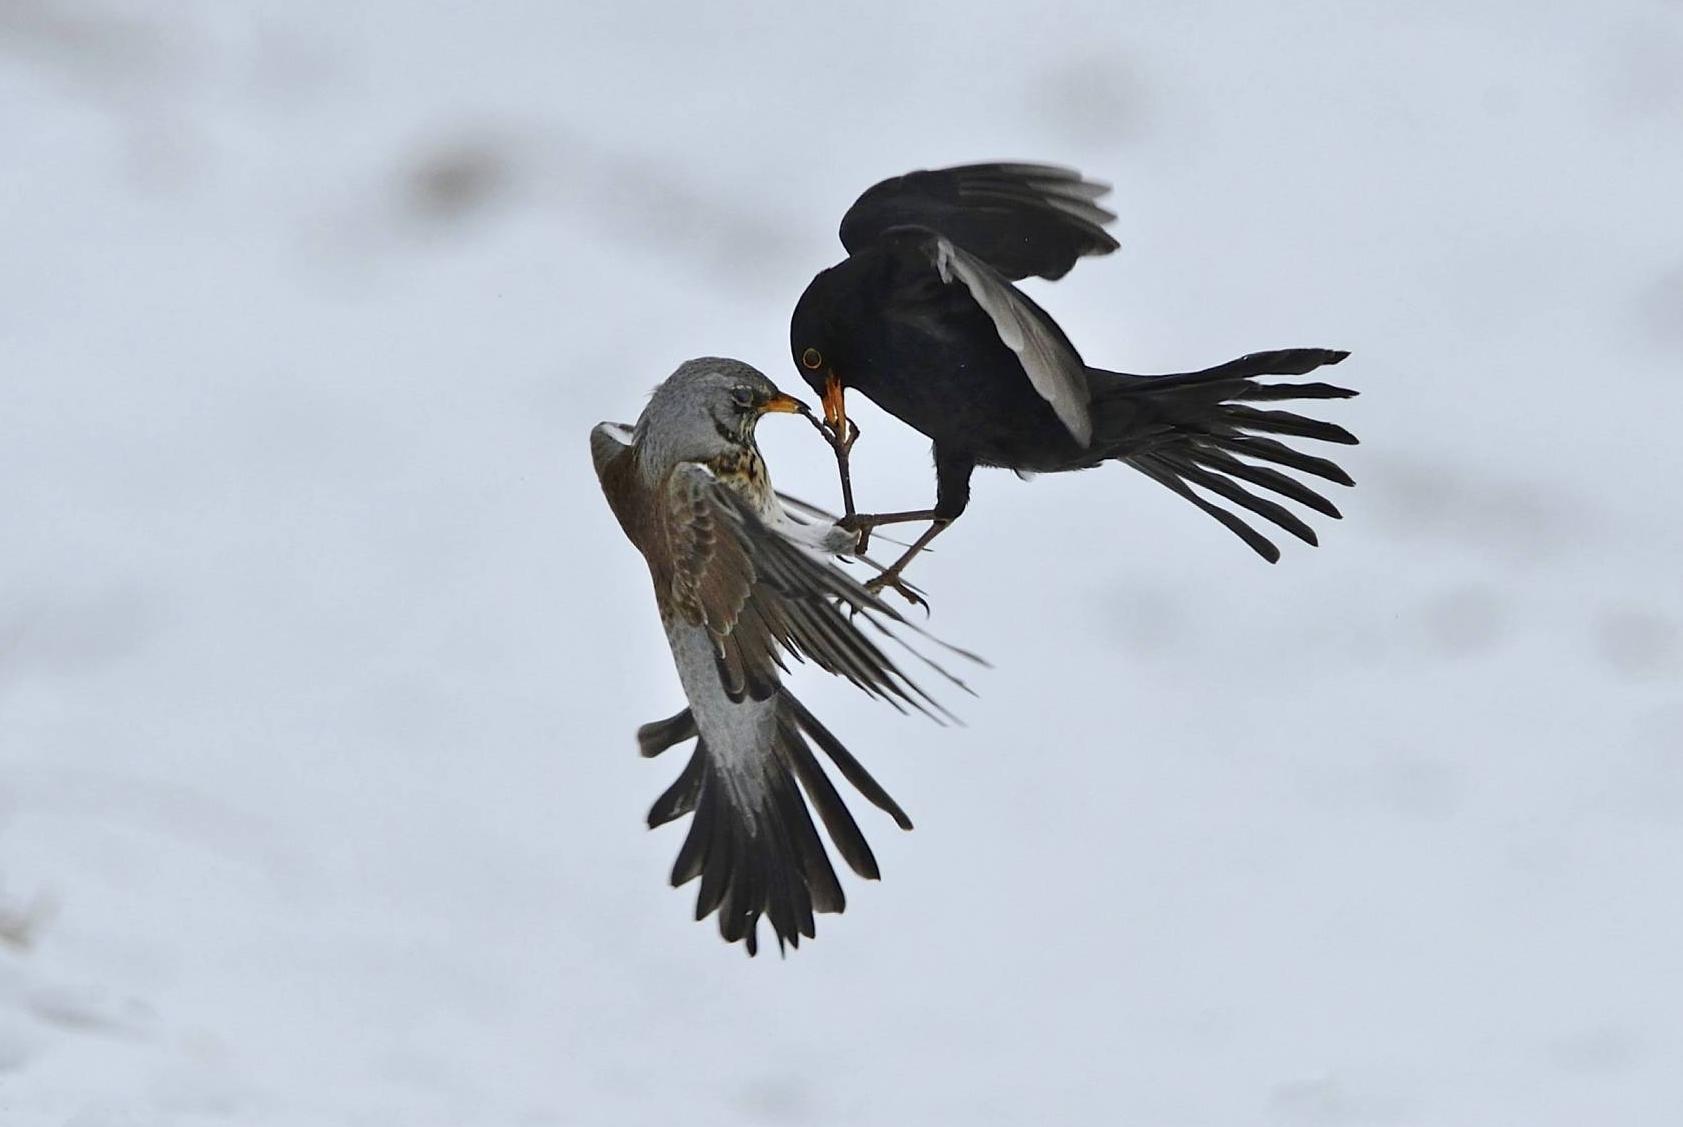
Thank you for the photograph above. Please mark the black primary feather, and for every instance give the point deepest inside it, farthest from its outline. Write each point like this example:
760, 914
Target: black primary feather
1021, 219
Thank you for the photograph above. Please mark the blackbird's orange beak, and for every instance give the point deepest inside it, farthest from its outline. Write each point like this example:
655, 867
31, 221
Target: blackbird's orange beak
784, 404
835, 409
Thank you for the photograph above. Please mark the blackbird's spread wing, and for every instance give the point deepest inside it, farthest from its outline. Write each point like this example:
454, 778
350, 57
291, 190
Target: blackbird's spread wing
1021, 219
760, 594
1049, 361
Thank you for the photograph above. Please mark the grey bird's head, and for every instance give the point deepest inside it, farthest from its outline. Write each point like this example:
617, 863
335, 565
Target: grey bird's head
706, 408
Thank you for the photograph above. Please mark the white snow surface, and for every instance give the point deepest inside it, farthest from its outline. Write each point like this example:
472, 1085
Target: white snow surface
321, 655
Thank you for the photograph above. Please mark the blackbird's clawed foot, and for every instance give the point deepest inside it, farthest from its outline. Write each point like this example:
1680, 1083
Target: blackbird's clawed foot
842, 446
841, 437
891, 580
859, 523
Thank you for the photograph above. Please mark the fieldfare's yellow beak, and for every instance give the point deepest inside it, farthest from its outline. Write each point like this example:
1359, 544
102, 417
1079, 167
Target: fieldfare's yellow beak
783, 404
835, 408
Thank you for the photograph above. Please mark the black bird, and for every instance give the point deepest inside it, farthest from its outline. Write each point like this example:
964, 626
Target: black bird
923, 319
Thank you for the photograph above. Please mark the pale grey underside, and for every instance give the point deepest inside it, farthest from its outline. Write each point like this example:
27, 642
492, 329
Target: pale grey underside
1056, 372
739, 734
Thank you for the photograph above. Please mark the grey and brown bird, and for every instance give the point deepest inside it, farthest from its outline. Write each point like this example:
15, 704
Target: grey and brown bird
741, 587
924, 318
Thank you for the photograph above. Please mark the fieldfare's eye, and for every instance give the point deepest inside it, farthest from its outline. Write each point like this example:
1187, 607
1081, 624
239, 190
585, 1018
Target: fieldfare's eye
811, 359
742, 396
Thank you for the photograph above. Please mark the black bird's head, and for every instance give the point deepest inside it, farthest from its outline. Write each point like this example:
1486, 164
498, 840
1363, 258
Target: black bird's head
815, 345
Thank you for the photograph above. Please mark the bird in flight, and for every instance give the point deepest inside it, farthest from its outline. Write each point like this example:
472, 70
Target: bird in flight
923, 319
741, 584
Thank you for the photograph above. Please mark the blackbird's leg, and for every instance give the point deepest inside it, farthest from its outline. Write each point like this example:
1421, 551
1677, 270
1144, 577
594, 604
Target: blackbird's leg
842, 447
890, 576
852, 519
862, 523
952, 495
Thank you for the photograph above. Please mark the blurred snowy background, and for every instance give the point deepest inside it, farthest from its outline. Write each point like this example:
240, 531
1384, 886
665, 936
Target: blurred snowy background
320, 654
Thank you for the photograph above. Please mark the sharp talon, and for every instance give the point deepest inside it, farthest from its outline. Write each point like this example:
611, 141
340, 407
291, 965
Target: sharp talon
859, 523
905, 590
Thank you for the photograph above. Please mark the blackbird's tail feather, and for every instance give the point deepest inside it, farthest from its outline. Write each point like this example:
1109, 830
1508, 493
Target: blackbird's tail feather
1196, 429
752, 840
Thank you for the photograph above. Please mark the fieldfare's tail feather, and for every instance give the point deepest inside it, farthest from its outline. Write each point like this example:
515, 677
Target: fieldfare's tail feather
752, 839
658, 735
1195, 429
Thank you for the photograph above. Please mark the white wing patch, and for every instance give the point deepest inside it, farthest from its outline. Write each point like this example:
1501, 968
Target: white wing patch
607, 442
820, 539
1055, 371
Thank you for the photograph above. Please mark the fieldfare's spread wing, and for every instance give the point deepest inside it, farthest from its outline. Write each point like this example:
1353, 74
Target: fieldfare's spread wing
608, 441
1021, 219
752, 842
1049, 361
610, 451
739, 584
740, 593
761, 593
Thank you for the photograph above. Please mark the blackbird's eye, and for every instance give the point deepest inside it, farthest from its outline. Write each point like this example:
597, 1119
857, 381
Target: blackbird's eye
742, 396
811, 359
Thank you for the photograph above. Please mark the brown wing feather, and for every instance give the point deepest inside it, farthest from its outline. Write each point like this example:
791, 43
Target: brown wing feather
616, 470
712, 581
760, 594
699, 571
